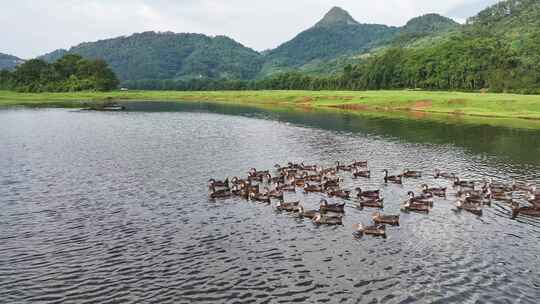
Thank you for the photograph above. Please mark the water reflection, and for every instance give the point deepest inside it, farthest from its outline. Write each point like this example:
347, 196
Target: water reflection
518, 146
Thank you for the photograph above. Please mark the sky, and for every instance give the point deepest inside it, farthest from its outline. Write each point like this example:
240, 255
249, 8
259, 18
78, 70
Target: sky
30, 28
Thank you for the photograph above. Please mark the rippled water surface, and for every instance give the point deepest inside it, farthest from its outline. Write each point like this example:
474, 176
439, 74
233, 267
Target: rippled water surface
113, 208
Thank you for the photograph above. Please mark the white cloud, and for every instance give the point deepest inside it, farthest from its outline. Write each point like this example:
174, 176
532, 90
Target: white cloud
29, 28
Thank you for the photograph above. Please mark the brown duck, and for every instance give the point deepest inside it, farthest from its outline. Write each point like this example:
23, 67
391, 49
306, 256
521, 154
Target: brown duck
336, 208
375, 230
379, 218
396, 179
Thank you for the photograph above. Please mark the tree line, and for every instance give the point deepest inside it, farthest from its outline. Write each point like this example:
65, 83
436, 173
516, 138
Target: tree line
70, 73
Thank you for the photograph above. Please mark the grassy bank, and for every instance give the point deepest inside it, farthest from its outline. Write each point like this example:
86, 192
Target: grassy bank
472, 104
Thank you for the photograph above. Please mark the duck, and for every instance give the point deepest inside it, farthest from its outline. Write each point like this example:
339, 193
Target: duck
396, 179
499, 196
464, 184
237, 181
285, 187
361, 173
313, 188
328, 171
469, 207
461, 192
294, 166
421, 199
313, 178
324, 219
441, 192
277, 179
375, 230
344, 194
409, 206
340, 167
278, 194
220, 193
309, 167
307, 213
371, 203
214, 183
253, 188
368, 194
336, 208
445, 175
331, 184
476, 199
392, 220
299, 182
256, 178
412, 174
529, 211
359, 164
259, 197
288, 207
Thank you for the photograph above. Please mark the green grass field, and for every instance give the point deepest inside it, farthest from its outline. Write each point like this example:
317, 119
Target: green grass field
419, 102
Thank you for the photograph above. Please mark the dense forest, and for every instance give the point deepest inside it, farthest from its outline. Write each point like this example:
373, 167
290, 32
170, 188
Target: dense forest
68, 74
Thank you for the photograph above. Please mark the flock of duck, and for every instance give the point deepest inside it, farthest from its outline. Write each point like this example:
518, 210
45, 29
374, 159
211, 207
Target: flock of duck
471, 195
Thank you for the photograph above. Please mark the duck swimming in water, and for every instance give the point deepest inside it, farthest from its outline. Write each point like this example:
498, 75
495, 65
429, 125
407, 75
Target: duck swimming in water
307, 213
375, 230
344, 194
470, 207
218, 184
335, 208
412, 174
464, 184
421, 199
288, 207
528, 210
371, 203
396, 179
368, 194
445, 175
441, 192
379, 218
324, 219
313, 188
259, 197
361, 173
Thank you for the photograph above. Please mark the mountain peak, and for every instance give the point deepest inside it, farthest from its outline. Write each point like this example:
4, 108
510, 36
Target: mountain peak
336, 16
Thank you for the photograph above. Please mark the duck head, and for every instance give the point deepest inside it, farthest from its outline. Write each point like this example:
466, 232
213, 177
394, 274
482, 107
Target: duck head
358, 227
324, 202
425, 187
410, 194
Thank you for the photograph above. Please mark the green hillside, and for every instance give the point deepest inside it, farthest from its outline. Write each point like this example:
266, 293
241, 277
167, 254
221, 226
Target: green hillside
336, 35
152, 55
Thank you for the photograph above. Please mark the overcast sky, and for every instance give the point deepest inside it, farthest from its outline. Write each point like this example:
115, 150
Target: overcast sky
33, 27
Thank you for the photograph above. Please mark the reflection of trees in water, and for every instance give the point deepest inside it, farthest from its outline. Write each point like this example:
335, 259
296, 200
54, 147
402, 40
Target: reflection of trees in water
518, 146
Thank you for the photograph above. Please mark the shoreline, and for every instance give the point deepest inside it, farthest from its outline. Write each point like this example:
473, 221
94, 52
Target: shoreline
523, 109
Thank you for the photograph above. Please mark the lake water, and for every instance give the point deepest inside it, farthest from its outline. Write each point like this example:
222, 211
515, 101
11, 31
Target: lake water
113, 208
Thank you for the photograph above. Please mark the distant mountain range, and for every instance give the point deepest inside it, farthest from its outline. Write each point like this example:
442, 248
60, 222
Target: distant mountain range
153, 55
9, 62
